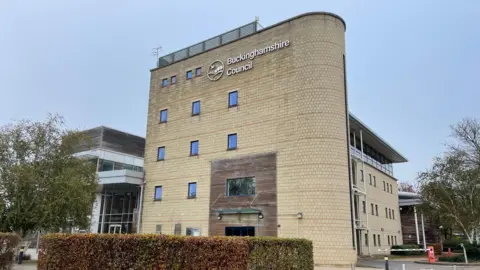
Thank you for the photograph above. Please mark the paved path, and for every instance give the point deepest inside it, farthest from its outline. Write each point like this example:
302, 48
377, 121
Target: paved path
409, 265
26, 266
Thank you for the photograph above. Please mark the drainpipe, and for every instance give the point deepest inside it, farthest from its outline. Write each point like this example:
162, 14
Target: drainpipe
140, 207
416, 224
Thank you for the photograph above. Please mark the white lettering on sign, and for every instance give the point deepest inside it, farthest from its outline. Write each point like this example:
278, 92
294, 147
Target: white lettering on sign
256, 52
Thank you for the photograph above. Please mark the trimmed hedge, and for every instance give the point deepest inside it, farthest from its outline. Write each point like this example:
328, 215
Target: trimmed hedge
458, 258
153, 251
8, 243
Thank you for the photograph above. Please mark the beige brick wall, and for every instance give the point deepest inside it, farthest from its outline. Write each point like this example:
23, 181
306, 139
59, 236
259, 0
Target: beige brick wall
379, 225
292, 102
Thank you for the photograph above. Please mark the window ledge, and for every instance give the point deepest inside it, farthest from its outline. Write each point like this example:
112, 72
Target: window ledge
161, 122
194, 155
157, 200
230, 149
195, 114
160, 160
232, 106
191, 197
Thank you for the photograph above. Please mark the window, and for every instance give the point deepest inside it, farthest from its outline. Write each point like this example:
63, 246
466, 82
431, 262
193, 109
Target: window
393, 214
198, 71
158, 193
391, 188
361, 174
194, 148
388, 188
379, 243
384, 186
177, 229
364, 207
389, 213
374, 240
376, 209
232, 141
386, 212
241, 186
366, 239
196, 108
192, 190
233, 99
163, 116
189, 75
173, 79
164, 82
158, 229
373, 212
161, 153
388, 237
370, 176
193, 232
395, 240
107, 165
374, 181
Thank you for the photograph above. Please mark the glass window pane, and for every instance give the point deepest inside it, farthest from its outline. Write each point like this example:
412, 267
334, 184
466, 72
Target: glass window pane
164, 82
196, 107
177, 56
163, 116
247, 30
241, 186
194, 148
107, 165
232, 141
161, 153
165, 60
212, 43
196, 49
158, 193
174, 79
198, 71
230, 36
233, 99
189, 75
192, 190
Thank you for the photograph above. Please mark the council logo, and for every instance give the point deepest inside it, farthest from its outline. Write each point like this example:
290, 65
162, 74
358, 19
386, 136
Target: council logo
215, 71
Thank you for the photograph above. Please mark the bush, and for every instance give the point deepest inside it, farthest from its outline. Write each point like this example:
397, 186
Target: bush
153, 251
458, 258
276, 253
453, 244
407, 253
10, 241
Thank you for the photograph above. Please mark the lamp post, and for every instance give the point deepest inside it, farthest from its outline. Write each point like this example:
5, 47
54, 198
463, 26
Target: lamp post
441, 238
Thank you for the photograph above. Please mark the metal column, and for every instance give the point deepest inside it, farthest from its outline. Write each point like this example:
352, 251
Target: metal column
416, 224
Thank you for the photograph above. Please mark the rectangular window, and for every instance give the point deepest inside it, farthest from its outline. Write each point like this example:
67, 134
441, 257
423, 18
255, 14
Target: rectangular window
366, 239
173, 79
370, 176
233, 99
198, 71
386, 212
196, 108
373, 211
389, 213
388, 188
395, 240
158, 229
364, 207
189, 75
164, 82
161, 153
232, 141
376, 209
384, 187
393, 214
193, 232
241, 186
391, 189
158, 193
193, 148
374, 181
107, 165
374, 240
192, 190
388, 237
379, 243
163, 116
361, 174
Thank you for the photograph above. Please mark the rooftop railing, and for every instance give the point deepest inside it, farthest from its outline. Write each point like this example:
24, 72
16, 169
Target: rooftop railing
386, 168
208, 44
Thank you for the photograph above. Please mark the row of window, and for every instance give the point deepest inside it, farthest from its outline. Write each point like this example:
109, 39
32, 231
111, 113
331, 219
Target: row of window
389, 213
392, 240
373, 182
188, 75
188, 231
107, 165
194, 147
245, 186
232, 102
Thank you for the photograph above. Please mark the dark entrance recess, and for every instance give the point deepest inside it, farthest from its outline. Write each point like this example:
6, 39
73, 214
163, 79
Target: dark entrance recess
239, 231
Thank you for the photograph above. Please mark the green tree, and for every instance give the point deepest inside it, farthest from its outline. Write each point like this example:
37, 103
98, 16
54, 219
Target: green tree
42, 186
451, 187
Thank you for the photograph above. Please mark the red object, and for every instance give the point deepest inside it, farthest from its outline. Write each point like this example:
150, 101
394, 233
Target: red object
431, 254
449, 252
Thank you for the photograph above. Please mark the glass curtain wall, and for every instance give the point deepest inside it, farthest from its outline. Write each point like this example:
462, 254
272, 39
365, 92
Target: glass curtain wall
119, 209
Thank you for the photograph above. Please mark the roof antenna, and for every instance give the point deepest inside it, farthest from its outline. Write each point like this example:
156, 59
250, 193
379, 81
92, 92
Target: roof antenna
156, 52
257, 19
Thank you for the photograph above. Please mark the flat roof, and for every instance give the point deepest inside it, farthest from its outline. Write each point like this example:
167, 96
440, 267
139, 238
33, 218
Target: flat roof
227, 38
374, 140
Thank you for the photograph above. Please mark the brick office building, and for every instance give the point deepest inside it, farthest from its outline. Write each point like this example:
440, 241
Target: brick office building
248, 133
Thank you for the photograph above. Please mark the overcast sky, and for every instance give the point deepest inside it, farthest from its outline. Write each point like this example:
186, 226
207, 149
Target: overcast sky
413, 66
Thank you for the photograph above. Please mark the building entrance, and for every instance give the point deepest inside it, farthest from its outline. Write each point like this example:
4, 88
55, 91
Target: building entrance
239, 231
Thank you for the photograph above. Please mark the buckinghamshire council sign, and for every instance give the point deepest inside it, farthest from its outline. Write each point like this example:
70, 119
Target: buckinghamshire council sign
217, 68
